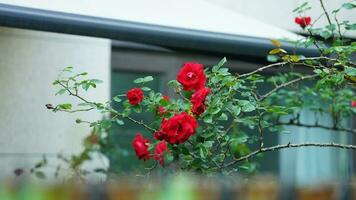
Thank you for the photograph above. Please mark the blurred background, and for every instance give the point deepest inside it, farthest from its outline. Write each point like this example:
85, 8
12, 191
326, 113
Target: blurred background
118, 41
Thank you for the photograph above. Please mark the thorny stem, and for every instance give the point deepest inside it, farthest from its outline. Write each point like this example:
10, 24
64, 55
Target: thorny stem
289, 145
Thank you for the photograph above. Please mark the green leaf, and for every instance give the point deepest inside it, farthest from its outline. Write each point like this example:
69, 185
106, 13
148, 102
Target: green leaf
208, 144
325, 34
350, 26
220, 64
207, 135
248, 108
348, 6
61, 91
85, 86
144, 79
318, 71
40, 175
67, 69
137, 108
241, 138
146, 89
106, 124
272, 58
224, 71
223, 117
96, 81
120, 122
65, 106
168, 158
117, 99
351, 71
208, 119
202, 153
235, 110
174, 84
126, 112
277, 51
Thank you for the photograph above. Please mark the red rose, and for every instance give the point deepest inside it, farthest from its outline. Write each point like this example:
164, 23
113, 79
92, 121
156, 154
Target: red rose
192, 76
198, 101
166, 98
140, 145
158, 135
198, 109
160, 148
178, 128
353, 104
135, 96
303, 21
161, 111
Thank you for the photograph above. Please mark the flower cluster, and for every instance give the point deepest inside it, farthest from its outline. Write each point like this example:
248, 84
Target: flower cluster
181, 125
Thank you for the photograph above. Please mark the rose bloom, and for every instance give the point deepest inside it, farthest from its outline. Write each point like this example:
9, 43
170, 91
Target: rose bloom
178, 128
192, 76
198, 101
135, 96
353, 104
160, 148
166, 98
303, 21
140, 145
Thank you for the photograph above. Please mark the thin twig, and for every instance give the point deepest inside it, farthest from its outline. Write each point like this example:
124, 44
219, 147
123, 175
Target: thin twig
286, 84
325, 11
283, 63
74, 94
315, 42
74, 111
289, 145
317, 126
262, 69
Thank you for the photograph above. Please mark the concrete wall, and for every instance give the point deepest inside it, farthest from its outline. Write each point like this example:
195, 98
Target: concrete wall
29, 62
279, 12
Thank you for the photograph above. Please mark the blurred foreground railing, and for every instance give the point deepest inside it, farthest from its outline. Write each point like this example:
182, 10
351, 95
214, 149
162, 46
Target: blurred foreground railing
178, 187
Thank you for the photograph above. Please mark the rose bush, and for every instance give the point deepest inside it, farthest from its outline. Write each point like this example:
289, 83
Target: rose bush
218, 120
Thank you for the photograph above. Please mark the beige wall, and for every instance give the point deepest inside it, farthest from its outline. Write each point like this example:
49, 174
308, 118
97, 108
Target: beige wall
29, 62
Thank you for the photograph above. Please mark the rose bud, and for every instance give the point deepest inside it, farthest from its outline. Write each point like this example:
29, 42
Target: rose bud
49, 106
